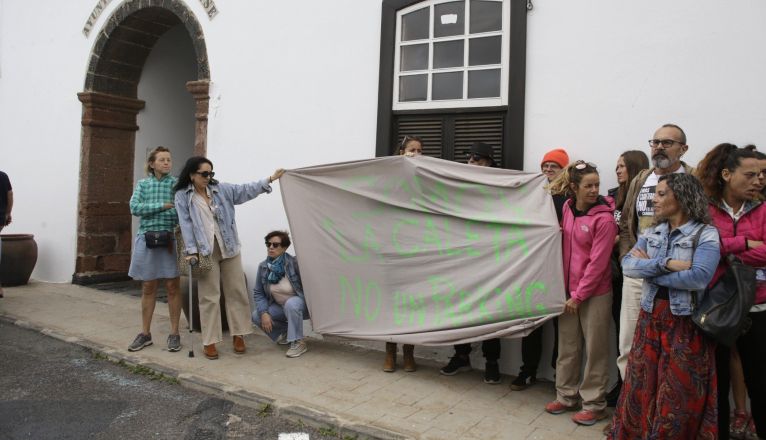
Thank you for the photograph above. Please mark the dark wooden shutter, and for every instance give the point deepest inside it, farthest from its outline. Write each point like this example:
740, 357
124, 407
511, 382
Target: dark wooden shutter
428, 128
487, 128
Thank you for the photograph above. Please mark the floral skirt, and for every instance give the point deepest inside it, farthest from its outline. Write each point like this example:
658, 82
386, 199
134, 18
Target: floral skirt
669, 390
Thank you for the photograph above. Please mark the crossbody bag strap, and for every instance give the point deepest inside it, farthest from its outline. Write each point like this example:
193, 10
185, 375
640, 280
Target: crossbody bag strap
695, 242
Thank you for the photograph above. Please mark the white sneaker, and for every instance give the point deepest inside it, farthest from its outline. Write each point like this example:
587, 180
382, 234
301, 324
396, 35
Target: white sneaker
296, 349
282, 339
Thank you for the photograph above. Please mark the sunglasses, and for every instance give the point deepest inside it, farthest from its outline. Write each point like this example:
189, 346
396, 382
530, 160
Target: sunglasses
206, 174
273, 245
581, 165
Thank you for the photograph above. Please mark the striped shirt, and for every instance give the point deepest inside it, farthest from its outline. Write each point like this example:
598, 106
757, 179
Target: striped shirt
148, 200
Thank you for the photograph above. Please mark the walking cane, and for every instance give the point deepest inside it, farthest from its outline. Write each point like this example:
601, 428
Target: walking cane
192, 263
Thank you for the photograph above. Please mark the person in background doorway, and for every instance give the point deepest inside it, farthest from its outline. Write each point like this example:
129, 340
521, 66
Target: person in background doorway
409, 146
206, 216
481, 155
588, 230
552, 165
6, 206
280, 306
629, 164
152, 202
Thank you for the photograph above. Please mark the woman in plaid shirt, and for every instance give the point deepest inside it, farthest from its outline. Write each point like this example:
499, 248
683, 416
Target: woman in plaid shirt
152, 201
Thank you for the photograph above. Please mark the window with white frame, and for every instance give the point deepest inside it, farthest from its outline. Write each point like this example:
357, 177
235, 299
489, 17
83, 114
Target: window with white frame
451, 54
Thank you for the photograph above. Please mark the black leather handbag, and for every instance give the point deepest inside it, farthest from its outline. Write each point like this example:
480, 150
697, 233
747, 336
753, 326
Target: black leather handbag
158, 239
722, 314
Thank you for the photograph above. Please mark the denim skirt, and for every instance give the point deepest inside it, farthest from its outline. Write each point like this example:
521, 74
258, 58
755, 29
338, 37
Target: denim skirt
152, 264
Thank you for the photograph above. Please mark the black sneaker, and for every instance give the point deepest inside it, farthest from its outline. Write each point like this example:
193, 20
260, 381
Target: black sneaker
456, 365
174, 342
140, 342
492, 373
523, 381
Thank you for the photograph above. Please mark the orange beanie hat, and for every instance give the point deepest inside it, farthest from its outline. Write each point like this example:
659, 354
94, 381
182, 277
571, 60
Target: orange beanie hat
559, 155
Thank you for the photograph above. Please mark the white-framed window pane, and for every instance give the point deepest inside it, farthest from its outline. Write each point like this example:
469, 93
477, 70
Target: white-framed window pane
448, 54
486, 16
414, 57
484, 83
415, 25
447, 86
449, 19
413, 88
486, 50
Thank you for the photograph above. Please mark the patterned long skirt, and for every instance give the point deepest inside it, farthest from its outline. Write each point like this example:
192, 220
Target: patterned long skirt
670, 384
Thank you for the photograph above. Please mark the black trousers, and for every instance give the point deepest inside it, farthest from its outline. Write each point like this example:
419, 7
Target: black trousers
752, 351
532, 349
490, 348
722, 359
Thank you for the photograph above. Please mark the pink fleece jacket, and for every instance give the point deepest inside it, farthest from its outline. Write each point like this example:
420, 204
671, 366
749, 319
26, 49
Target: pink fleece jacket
734, 236
588, 242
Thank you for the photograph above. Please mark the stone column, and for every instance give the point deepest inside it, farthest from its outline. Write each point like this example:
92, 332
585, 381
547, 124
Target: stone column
200, 90
104, 236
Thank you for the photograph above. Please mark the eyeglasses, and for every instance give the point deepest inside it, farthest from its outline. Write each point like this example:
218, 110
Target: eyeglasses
273, 244
666, 143
206, 174
581, 165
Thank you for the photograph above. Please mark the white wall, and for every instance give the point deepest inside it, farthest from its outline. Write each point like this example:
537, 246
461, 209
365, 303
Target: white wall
168, 116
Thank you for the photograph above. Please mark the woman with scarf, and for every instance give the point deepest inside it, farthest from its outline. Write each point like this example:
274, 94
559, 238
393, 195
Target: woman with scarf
280, 306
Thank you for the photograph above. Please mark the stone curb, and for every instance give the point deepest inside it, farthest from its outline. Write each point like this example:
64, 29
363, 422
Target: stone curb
311, 417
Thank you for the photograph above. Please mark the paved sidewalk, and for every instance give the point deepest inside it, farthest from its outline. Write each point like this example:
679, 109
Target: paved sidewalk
333, 384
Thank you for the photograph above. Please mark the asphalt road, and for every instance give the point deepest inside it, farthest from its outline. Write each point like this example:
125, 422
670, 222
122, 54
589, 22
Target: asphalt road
50, 389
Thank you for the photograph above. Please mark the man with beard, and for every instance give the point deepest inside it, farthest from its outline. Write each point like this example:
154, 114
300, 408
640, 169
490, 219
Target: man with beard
667, 145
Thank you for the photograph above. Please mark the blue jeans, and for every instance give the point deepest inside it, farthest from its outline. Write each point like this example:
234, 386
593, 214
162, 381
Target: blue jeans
288, 317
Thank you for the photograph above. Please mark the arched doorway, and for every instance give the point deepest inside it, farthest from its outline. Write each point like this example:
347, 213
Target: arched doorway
109, 124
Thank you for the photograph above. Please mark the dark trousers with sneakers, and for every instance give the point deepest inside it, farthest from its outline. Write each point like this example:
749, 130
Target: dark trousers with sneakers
490, 348
752, 351
532, 349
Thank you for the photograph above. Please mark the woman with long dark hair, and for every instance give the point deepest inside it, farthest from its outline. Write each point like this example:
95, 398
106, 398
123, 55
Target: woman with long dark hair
669, 389
730, 176
206, 215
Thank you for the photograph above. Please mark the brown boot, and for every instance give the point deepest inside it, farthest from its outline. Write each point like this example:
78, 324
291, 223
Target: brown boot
239, 345
210, 351
409, 358
389, 366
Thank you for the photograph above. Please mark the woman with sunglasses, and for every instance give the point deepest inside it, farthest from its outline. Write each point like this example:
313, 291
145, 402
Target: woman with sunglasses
669, 389
280, 306
206, 215
588, 238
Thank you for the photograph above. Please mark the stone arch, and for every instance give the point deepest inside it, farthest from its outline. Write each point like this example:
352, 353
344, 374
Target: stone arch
109, 123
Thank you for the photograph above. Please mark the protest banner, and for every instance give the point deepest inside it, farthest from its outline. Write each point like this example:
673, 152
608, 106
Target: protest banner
421, 250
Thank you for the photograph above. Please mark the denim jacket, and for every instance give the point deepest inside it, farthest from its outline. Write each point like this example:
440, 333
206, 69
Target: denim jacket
225, 196
678, 245
262, 289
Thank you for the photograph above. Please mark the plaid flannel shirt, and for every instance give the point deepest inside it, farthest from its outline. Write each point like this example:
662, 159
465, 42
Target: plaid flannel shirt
148, 200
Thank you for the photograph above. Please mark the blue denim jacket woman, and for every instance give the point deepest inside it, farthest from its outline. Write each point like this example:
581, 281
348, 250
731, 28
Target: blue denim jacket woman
661, 247
262, 292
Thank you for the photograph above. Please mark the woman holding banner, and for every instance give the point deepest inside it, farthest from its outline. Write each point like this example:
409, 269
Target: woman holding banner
588, 237
409, 146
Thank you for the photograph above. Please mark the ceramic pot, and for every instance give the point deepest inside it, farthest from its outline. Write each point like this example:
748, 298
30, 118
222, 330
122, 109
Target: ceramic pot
18, 258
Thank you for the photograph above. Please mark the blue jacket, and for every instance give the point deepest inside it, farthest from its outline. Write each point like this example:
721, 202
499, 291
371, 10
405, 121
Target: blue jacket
262, 289
225, 196
677, 246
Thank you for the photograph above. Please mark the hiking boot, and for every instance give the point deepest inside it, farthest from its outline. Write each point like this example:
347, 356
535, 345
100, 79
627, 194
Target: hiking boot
588, 417
282, 339
296, 349
389, 365
522, 381
457, 364
408, 358
210, 352
140, 342
174, 342
239, 344
557, 407
492, 373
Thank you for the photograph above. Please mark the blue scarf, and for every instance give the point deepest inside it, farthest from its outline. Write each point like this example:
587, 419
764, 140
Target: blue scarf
276, 268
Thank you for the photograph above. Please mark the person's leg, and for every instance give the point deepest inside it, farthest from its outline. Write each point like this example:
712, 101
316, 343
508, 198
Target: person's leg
460, 362
173, 287
209, 295
1, 251
722, 359
295, 310
752, 351
570, 360
629, 310
237, 299
594, 320
531, 350
491, 349
738, 425
278, 321
148, 300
